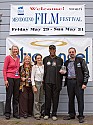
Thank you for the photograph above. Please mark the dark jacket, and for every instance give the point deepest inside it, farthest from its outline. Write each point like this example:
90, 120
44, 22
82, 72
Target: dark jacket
59, 63
81, 71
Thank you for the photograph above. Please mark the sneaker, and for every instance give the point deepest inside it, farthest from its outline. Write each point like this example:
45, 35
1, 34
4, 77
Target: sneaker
46, 117
54, 118
37, 118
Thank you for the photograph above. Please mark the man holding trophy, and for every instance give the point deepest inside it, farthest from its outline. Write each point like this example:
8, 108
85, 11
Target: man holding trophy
76, 78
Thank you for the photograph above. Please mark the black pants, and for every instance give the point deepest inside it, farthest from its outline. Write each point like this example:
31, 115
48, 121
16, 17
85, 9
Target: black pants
73, 89
13, 89
51, 93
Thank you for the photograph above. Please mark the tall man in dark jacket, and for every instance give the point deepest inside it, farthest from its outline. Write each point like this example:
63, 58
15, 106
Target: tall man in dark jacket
52, 81
76, 80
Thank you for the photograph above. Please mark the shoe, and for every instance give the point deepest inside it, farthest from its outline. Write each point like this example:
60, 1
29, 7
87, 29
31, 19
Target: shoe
16, 116
80, 116
29, 115
37, 118
25, 116
68, 117
54, 118
7, 117
46, 117
81, 119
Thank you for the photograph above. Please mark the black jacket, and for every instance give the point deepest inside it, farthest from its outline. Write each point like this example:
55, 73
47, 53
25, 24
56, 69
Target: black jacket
59, 63
81, 71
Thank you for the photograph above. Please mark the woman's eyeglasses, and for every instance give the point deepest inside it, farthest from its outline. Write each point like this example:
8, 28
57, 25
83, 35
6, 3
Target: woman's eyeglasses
71, 52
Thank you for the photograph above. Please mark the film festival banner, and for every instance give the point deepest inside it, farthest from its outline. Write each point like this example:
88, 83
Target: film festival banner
47, 19
32, 46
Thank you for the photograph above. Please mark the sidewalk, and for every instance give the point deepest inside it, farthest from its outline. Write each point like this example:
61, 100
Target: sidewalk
32, 121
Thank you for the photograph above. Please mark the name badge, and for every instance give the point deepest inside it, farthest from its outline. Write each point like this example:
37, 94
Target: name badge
78, 65
53, 63
48, 63
16, 73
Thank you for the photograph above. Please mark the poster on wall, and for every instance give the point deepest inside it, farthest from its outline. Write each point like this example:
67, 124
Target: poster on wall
47, 19
32, 46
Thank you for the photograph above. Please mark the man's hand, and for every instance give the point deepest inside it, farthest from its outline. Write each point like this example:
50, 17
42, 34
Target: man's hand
83, 86
62, 72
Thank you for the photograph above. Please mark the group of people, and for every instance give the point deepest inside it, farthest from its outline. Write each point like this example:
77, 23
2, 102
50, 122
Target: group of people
33, 86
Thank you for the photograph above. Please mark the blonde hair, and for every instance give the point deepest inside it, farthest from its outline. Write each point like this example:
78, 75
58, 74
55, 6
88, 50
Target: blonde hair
11, 49
25, 58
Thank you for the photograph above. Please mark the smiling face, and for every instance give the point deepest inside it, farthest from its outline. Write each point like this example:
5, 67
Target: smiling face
72, 53
15, 50
27, 60
52, 52
39, 59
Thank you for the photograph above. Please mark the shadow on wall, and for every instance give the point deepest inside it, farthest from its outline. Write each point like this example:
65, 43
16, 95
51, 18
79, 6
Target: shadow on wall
1, 108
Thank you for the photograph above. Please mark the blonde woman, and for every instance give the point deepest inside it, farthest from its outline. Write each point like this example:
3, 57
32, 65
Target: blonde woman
37, 79
12, 81
26, 93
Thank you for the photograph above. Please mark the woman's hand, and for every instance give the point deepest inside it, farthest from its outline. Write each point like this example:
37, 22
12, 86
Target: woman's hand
6, 83
34, 89
23, 79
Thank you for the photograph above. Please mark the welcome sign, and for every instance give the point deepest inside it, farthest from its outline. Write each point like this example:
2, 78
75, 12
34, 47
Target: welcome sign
47, 19
32, 46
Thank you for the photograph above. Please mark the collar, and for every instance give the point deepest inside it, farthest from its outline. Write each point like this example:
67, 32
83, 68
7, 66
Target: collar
53, 57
